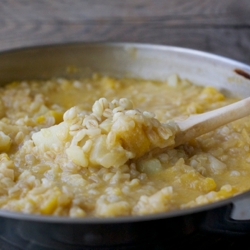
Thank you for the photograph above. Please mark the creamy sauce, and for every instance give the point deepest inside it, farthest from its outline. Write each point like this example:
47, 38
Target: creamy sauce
59, 157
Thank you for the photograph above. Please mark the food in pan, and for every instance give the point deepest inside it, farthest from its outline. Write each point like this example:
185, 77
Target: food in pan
75, 147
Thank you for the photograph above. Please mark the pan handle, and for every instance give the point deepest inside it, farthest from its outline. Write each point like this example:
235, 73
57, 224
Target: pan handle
232, 219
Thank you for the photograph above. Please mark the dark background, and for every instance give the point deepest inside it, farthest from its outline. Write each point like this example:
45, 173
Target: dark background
218, 26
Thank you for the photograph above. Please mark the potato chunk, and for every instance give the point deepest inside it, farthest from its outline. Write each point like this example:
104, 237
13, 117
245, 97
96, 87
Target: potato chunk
109, 136
5, 142
49, 137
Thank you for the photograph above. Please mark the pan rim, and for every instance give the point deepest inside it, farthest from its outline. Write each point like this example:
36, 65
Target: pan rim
180, 49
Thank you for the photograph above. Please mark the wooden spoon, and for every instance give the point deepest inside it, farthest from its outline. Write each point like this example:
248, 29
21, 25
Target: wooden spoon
196, 125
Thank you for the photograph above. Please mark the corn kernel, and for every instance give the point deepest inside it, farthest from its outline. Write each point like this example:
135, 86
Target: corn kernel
40, 119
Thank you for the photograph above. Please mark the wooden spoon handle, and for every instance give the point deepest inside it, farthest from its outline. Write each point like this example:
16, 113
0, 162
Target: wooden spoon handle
197, 125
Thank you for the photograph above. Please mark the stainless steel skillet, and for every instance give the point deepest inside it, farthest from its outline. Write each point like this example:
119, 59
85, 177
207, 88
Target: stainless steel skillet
132, 60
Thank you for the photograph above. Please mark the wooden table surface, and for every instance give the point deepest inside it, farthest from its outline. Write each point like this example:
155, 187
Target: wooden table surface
218, 26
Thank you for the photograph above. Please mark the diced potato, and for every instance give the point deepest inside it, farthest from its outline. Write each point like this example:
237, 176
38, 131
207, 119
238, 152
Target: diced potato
173, 80
132, 139
112, 209
149, 166
158, 202
76, 154
211, 94
48, 137
196, 181
217, 166
50, 203
5, 142
100, 155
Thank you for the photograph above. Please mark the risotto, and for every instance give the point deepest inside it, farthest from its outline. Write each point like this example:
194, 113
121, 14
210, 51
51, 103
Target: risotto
76, 147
